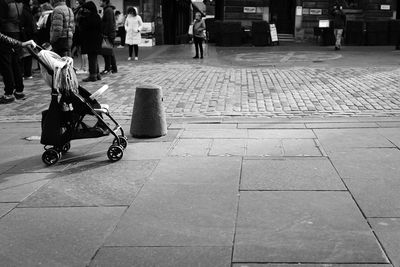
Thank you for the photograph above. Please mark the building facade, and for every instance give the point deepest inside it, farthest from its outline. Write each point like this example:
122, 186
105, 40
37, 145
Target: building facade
170, 17
300, 17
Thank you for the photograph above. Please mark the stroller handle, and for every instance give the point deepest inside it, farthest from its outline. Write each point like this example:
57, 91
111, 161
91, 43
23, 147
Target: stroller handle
35, 56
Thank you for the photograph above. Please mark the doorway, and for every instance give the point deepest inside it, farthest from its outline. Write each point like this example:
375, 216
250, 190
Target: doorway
283, 15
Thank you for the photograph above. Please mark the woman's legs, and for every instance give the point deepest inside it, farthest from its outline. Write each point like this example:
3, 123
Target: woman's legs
201, 47
196, 45
136, 50
130, 50
93, 68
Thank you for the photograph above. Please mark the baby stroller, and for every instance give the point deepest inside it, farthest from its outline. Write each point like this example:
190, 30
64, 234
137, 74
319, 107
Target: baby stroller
71, 104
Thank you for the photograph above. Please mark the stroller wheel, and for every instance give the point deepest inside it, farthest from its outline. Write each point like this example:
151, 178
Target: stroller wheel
122, 140
115, 153
66, 147
51, 157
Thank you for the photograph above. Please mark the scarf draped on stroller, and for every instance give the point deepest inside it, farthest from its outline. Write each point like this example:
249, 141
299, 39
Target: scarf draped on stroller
65, 80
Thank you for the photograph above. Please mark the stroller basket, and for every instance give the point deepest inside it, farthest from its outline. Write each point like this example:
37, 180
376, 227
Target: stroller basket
76, 114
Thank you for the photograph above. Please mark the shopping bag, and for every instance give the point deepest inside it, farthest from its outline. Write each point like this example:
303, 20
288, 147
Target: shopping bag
54, 131
190, 31
106, 47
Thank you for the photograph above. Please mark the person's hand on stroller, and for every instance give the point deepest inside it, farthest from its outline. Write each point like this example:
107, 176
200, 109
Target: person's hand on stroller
30, 43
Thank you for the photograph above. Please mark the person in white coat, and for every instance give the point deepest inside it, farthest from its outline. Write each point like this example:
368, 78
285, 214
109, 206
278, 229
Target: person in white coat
133, 26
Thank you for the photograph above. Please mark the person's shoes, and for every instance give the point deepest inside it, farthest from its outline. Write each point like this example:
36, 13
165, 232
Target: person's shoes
337, 48
136, 58
19, 95
114, 71
90, 79
201, 57
98, 77
105, 72
120, 46
195, 57
129, 58
5, 99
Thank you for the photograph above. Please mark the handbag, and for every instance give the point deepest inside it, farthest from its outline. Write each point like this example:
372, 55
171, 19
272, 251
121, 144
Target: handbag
190, 31
106, 47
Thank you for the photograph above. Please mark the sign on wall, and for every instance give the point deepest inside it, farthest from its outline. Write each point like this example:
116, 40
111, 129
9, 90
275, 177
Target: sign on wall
247, 9
385, 7
299, 10
315, 11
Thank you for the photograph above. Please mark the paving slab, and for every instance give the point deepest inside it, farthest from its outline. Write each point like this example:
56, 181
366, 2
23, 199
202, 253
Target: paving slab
393, 135
191, 147
5, 168
290, 174
308, 265
179, 215
300, 148
203, 126
213, 134
13, 155
389, 124
163, 256
377, 197
169, 137
6, 207
281, 134
342, 125
94, 184
348, 139
388, 232
373, 163
17, 187
200, 170
144, 151
271, 126
264, 147
313, 227
54, 236
228, 147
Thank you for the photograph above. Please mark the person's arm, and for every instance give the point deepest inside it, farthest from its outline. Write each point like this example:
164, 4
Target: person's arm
126, 24
202, 25
6, 40
140, 21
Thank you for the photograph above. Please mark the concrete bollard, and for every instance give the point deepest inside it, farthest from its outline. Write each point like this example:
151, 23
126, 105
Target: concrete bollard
148, 116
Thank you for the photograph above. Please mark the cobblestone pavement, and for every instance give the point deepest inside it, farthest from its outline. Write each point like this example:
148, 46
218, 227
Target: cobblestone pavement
204, 88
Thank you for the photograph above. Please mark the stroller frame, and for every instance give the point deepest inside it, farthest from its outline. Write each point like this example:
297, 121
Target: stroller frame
54, 153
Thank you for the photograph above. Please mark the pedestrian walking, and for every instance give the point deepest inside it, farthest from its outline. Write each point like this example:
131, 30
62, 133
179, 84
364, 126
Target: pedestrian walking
120, 22
44, 23
91, 37
29, 33
133, 26
62, 28
11, 23
339, 22
199, 26
77, 41
108, 29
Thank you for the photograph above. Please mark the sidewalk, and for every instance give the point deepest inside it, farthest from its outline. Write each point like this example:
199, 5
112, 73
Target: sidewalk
218, 192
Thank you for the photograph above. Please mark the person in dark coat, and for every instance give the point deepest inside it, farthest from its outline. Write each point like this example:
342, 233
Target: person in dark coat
108, 28
30, 31
339, 22
91, 37
11, 19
